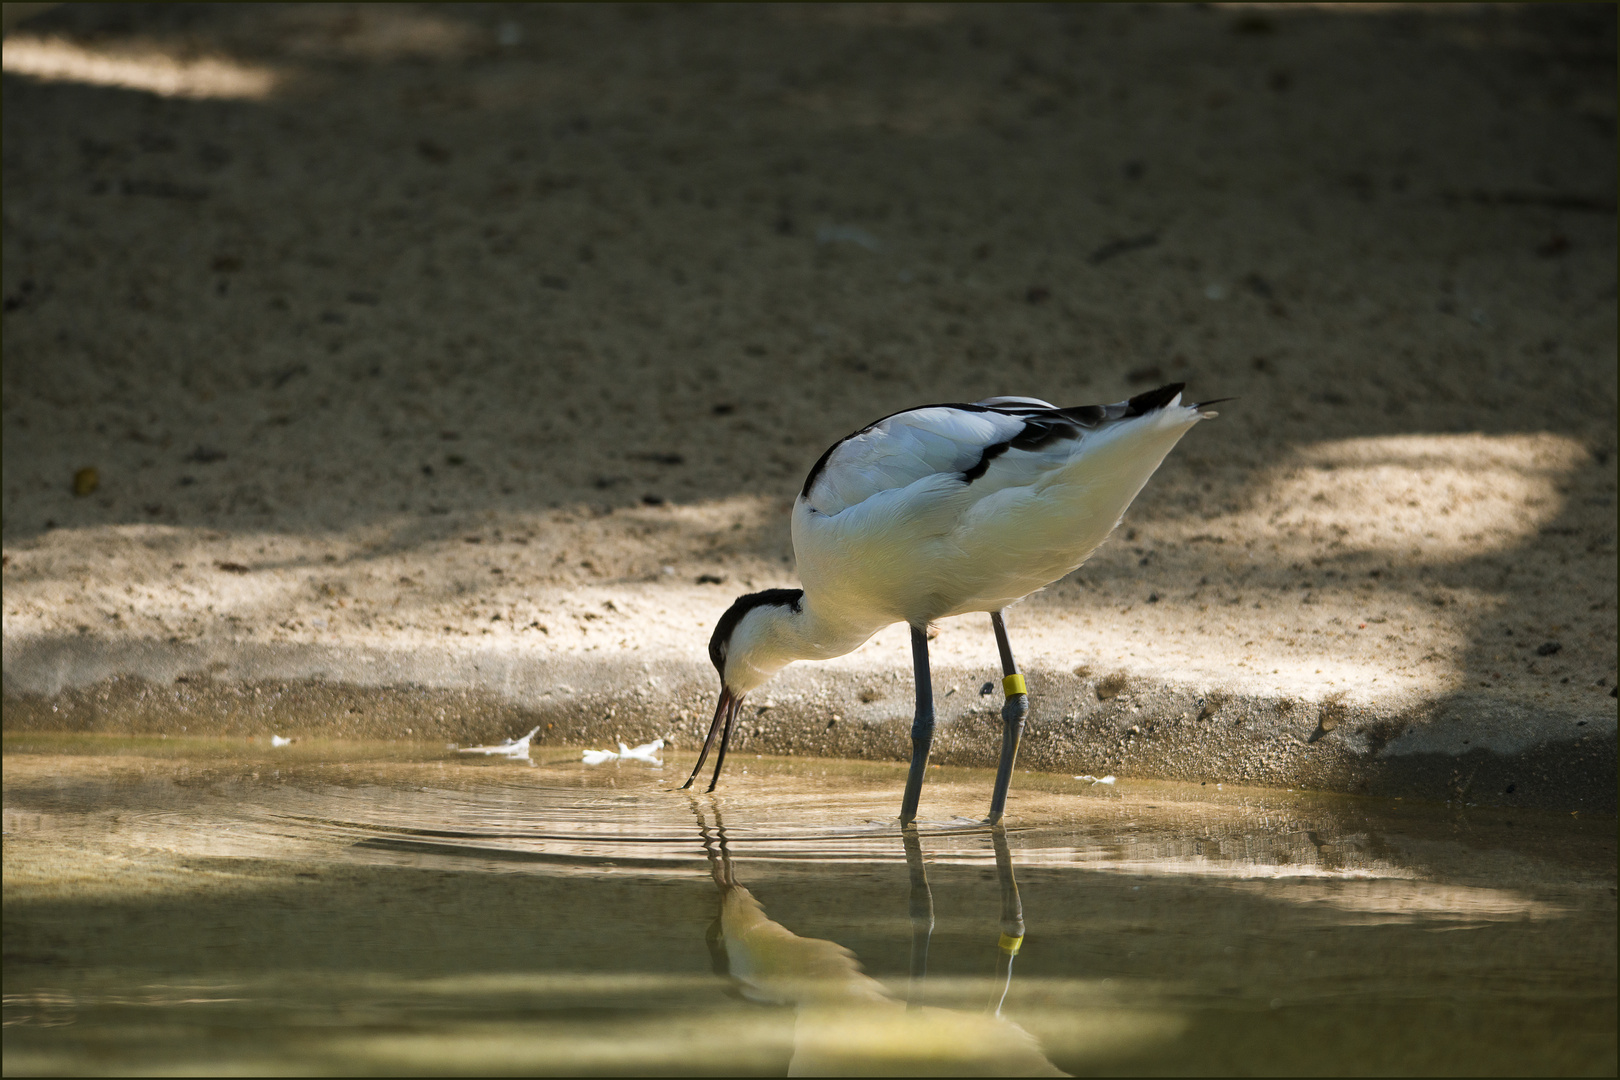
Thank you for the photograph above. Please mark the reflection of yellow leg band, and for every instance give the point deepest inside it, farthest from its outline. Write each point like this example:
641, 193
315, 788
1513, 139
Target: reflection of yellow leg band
1013, 684
1011, 944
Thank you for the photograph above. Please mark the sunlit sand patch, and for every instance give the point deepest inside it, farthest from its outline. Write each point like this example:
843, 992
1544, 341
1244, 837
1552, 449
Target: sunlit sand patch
1429, 496
151, 70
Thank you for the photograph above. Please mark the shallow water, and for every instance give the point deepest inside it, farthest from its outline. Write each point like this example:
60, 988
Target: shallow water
221, 906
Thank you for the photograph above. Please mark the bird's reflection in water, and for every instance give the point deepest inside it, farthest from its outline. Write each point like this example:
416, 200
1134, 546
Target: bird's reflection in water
846, 1022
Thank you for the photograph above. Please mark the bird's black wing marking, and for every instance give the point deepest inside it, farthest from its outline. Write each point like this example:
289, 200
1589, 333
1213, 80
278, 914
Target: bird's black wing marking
1044, 426
991, 452
1040, 429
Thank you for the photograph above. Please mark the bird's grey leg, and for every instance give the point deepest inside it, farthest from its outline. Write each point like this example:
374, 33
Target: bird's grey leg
922, 728
1012, 911
1012, 718
922, 909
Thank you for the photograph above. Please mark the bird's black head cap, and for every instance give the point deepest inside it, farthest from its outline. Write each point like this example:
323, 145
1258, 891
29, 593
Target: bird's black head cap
790, 598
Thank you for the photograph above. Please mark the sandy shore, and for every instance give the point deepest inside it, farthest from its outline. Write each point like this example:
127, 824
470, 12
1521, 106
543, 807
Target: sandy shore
476, 355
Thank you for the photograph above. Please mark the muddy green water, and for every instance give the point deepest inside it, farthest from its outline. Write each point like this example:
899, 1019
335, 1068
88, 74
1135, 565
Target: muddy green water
219, 906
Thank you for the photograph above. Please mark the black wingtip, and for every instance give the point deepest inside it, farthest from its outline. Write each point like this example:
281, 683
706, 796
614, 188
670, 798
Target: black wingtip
1211, 401
1146, 402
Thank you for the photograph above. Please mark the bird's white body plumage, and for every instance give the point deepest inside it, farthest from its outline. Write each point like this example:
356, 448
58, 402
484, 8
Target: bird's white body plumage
945, 510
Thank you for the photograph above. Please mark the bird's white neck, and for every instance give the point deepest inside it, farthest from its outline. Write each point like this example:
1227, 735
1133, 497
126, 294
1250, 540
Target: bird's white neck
769, 638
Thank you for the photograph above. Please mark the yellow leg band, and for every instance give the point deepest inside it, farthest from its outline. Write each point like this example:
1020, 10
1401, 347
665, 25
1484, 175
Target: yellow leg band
1014, 684
1011, 944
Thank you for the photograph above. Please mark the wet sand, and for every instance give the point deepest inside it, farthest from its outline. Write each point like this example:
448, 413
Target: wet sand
457, 366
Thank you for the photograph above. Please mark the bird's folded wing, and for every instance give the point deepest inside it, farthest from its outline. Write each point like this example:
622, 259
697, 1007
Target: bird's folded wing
899, 450
1020, 439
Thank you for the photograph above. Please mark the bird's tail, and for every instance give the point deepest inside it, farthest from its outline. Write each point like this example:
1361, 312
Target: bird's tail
1166, 396
1144, 403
